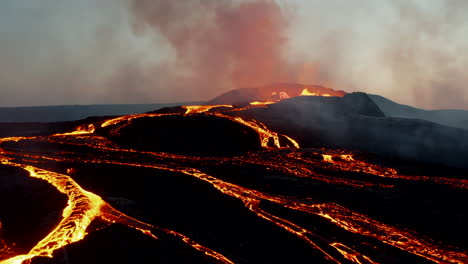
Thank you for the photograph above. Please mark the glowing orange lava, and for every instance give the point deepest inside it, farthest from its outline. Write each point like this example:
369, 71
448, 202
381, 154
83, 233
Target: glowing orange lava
81, 130
263, 131
261, 103
306, 92
321, 92
84, 207
197, 109
327, 158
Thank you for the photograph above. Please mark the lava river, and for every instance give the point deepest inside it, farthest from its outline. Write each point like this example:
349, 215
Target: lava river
355, 237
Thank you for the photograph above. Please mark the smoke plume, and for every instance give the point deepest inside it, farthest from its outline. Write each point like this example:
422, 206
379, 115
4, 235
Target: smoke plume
147, 51
411, 51
217, 44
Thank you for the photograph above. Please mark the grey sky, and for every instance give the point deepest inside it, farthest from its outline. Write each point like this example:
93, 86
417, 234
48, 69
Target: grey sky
128, 51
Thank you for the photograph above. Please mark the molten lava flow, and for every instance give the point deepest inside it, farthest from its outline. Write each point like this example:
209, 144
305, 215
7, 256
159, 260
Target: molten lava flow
351, 254
197, 109
306, 92
80, 130
114, 216
346, 219
346, 162
257, 103
254, 206
5, 250
338, 215
321, 91
347, 157
327, 158
296, 165
128, 118
207, 251
82, 209
264, 133
294, 142
15, 139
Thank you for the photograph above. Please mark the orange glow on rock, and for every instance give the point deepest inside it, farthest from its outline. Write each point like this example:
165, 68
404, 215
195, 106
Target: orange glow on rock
261, 103
81, 130
327, 158
283, 95
320, 91
84, 207
197, 109
306, 92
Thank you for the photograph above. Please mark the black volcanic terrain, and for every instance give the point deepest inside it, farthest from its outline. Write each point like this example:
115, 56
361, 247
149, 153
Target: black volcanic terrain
356, 122
63, 113
325, 178
454, 118
193, 135
271, 93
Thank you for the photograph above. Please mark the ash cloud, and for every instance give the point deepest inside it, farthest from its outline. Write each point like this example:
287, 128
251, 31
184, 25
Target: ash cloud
143, 51
139, 51
411, 51
429, 55
217, 44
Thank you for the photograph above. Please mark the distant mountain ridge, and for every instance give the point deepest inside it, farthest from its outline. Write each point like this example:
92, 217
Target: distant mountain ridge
453, 118
356, 122
275, 92
64, 113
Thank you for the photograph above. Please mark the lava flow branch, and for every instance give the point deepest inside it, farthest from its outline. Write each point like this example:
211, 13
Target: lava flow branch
83, 208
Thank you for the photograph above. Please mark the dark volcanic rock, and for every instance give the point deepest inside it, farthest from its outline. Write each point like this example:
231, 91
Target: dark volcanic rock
355, 122
63, 113
448, 117
361, 104
193, 135
121, 245
192, 207
43, 129
30, 208
350, 104
270, 93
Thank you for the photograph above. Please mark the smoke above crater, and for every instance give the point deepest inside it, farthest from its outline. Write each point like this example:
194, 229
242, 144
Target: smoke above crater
411, 51
142, 51
217, 44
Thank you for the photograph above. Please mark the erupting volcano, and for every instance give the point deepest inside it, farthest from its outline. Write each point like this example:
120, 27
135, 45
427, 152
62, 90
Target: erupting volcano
233, 131
274, 93
276, 174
